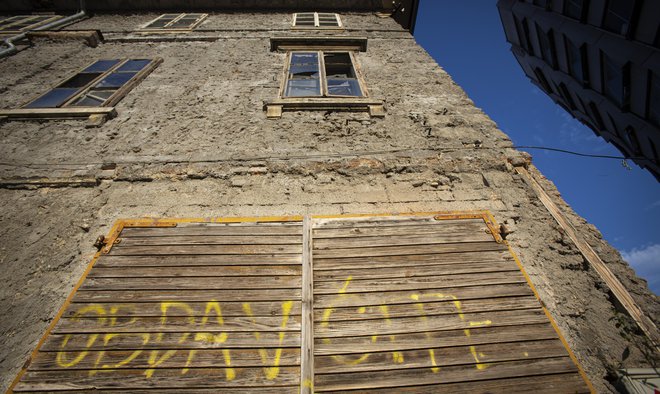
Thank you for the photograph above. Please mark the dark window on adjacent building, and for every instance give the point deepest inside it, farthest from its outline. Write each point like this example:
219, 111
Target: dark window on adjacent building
526, 37
566, 95
547, 4
322, 74
653, 99
577, 61
595, 116
97, 85
520, 31
654, 151
547, 43
615, 81
618, 16
633, 142
540, 77
576, 9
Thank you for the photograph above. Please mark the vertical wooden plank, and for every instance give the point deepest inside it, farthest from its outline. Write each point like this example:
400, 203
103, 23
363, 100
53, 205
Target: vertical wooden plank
307, 350
619, 290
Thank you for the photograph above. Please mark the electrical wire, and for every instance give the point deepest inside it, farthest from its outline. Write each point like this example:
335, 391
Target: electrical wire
581, 154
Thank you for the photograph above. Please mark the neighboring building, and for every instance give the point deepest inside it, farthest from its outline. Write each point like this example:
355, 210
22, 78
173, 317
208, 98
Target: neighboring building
274, 125
600, 61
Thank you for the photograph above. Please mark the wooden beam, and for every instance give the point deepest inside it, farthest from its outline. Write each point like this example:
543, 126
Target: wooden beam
617, 288
318, 43
307, 342
91, 37
69, 112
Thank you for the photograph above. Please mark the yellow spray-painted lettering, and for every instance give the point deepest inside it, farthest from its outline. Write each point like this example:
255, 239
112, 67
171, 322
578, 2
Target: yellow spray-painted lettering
61, 357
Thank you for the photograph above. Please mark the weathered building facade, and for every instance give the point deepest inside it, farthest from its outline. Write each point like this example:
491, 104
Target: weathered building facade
211, 132
598, 60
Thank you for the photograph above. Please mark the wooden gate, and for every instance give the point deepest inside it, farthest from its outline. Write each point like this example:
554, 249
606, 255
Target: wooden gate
415, 303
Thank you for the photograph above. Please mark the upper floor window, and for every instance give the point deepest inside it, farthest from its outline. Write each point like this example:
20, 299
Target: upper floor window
576, 9
101, 84
653, 99
615, 81
542, 80
20, 23
577, 61
595, 115
566, 95
547, 44
316, 20
522, 29
618, 16
175, 22
322, 74
547, 4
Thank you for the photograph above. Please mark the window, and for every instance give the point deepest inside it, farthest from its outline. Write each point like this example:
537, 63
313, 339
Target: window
542, 80
577, 61
595, 115
547, 43
101, 84
566, 95
318, 20
653, 99
322, 74
25, 22
175, 22
631, 139
546, 4
522, 29
618, 16
576, 9
615, 80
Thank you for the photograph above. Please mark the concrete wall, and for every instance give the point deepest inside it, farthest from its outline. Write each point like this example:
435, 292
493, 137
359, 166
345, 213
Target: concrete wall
192, 140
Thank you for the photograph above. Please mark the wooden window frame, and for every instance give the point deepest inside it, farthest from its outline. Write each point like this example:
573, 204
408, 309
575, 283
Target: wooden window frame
65, 110
363, 103
167, 29
317, 26
322, 76
8, 30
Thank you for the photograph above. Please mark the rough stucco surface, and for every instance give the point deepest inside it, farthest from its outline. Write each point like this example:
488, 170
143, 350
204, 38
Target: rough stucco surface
192, 140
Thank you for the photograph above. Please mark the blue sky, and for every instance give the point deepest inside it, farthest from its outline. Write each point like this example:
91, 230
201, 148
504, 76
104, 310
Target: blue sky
467, 40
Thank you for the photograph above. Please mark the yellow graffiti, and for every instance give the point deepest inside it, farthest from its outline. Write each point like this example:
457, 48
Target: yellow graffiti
325, 321
459, 309
106, 340
274, 371
61, 356
208, 337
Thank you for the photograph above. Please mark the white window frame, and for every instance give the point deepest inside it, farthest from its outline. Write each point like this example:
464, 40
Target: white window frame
26, 18
317, 24
168, 28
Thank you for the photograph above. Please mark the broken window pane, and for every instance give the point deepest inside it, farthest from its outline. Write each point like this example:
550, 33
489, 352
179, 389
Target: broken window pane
80, 80
304, 75
94, 98
303, 88
344, 87
115, 80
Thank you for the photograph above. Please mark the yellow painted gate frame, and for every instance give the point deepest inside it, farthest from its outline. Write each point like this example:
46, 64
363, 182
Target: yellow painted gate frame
120, 224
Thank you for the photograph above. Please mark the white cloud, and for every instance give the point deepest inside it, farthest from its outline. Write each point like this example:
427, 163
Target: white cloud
646, 262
